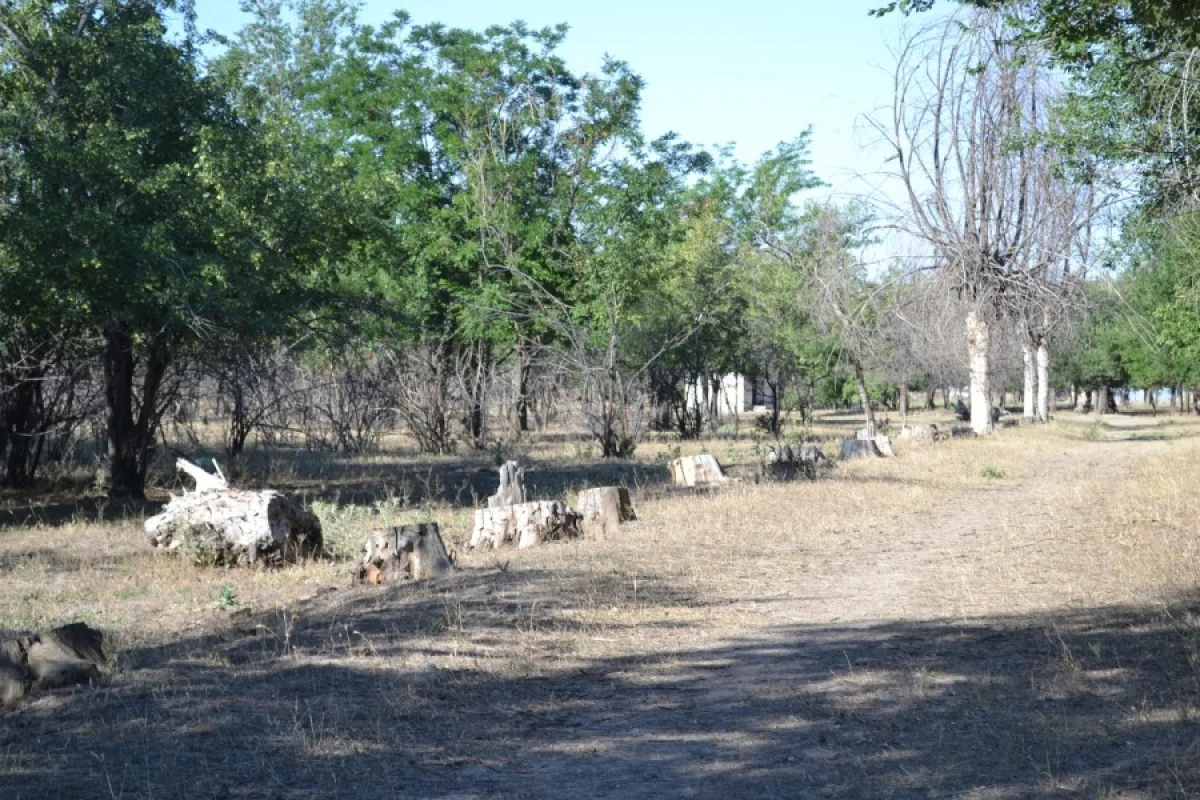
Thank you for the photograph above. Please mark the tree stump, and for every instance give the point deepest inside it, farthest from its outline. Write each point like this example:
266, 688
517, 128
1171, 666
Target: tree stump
920, 435
404, 553
524, 524
859, 448
222, 526
700, 471
788, 462
512, 486
603, 509
882, 443
65, 656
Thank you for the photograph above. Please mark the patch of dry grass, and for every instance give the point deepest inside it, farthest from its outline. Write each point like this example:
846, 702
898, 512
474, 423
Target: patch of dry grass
906, 627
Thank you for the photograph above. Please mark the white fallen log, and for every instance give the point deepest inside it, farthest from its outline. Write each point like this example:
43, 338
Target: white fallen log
603, 509
404, 553
701, 471
222, 526
525, 524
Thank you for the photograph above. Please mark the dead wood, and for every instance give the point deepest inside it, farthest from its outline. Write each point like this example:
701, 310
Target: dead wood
404, 553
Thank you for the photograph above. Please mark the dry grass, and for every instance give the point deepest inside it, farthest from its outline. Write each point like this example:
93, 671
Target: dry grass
1010, 617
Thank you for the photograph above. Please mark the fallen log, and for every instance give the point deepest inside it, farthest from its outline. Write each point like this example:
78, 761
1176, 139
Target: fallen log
603, 509
66, 656
404, 553
524, 524
217, 525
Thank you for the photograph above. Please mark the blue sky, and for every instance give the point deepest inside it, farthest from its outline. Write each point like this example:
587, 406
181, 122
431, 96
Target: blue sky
754, 73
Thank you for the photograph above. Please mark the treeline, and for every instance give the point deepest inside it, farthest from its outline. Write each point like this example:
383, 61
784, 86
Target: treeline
328, 229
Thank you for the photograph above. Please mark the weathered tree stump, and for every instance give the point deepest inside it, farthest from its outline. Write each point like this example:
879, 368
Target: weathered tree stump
603, 509
65, 656
700, 471
882, 443
524, 524
404, 553
920, 434
218, 525
859, 448
512, 486
787, 463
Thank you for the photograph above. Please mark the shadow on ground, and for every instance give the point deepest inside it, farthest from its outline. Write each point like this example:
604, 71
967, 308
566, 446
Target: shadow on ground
341, 698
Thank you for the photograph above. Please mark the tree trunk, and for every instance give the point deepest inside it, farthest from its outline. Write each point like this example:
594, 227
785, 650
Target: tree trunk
130, 439
864, 398
903, 403
17, 430
930, 398
521, 387
1029, 397
978, 351
1100, 400
1042, 408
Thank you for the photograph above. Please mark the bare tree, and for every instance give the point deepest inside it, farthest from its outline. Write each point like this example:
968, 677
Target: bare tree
968, 111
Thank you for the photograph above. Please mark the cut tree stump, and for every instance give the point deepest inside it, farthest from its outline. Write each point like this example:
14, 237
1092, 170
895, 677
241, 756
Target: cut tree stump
604, 508
859, 448
920, 434
700, 471
883, 445
788, 463
66, 656
512, 486
222, 526
404, 553
524, 524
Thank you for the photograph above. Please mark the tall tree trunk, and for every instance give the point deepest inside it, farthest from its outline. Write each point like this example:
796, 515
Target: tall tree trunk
1029, 398
521, 386
903, 403
18, 425
1100, 400
864, 397
1042, 410
130, 438
978, 351
930, 398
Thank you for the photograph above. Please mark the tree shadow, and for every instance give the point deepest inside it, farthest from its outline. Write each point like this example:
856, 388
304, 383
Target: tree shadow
341, 697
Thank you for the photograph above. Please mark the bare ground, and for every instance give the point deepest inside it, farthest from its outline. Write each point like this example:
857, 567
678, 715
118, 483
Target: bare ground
1001, 619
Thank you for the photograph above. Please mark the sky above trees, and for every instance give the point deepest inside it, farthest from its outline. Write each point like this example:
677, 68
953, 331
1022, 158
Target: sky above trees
754, 73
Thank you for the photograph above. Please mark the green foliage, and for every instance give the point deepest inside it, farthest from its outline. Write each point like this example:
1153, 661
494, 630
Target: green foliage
227, 598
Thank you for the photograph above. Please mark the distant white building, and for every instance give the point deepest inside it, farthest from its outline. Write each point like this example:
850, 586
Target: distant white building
737, 394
